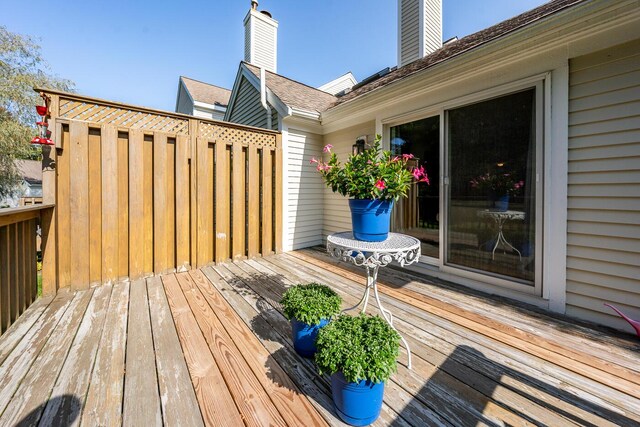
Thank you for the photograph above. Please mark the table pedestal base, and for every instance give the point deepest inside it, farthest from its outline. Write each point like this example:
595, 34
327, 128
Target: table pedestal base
372, 284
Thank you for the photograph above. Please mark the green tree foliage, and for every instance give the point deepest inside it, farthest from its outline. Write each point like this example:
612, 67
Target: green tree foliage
22, 69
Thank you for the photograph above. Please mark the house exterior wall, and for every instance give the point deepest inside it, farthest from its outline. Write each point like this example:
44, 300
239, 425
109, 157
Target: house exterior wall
603, 243
409, 31
337, 216
499, 68
247, 109
184, 104
303, 192
208, 114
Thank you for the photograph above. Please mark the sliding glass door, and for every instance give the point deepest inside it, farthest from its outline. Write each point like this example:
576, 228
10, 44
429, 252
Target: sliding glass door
486, 224
490, 198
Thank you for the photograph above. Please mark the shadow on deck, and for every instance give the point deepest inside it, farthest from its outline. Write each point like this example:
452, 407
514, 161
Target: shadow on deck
212, 347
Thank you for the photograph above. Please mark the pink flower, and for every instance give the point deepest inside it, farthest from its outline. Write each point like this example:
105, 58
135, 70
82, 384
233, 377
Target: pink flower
420, 175
407, 156
327, 148
380, 185
395, 159
313, 160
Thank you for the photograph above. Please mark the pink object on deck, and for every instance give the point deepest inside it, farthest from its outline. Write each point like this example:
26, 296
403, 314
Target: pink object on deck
634, 323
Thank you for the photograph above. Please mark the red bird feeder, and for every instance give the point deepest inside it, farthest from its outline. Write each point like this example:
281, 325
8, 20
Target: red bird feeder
44, 137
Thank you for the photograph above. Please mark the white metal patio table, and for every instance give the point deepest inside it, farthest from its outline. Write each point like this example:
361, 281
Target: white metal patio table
403, 249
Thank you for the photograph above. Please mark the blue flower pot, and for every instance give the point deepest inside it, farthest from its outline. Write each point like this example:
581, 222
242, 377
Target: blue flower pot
370, 219
502, 204
304, 336
358, 404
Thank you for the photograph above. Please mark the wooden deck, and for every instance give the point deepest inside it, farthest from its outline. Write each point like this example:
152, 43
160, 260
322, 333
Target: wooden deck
211, 347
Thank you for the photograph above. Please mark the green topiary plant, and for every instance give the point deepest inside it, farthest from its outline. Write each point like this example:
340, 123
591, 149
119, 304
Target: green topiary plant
362, 348
310, 303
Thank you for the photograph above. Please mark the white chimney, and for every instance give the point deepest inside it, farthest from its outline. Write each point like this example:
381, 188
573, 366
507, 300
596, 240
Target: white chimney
261, 39
419, 29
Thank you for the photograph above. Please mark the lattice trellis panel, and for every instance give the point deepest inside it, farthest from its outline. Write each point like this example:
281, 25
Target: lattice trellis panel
231, 134
133, 119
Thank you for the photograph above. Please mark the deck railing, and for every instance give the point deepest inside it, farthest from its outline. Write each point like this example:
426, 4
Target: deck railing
140, 191
18, 261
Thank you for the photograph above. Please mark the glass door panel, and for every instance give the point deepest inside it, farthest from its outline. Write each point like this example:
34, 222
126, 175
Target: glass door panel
490, 198
419, 214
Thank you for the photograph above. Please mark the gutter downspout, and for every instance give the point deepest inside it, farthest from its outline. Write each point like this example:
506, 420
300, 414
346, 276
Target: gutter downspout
263, 96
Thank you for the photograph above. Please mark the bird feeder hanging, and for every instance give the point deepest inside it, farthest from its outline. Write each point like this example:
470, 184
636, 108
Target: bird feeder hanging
44, 134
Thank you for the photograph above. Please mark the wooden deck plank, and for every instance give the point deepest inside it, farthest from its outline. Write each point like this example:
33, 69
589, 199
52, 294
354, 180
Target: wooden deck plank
294, 407
16, 365
526, 368
251, 399
247, 285
19, 329
178, 399
73, 382
141, 400
215, 400
106, 388
34, 393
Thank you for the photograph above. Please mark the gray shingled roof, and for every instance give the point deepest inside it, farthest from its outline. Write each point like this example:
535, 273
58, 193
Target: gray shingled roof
295, 94
30, 170
207, 93
461, 46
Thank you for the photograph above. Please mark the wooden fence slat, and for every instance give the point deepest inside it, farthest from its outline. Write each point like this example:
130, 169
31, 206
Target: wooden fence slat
182, 203
21, 258
194, 133
123, 205
170, 240
222, 202
239, 189
253, 211
204, 204
95, 207
278, 194
34, 260
5, 319
79, 204
110, 200
63, 214
159, 202
136, 209
267, 202
147, 202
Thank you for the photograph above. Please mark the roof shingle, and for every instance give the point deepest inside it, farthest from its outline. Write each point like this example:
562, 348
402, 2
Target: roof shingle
207, 93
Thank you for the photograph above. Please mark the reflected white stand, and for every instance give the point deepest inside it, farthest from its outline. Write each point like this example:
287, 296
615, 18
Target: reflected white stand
400, 248
500, 217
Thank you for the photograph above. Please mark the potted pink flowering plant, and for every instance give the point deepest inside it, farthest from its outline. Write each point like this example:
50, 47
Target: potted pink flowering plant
372, 180
499, 187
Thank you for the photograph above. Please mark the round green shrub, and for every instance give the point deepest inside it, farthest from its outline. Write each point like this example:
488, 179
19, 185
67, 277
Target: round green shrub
310, 303
363, 347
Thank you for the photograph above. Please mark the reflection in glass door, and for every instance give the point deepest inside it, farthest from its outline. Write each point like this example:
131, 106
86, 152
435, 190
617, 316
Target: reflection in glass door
419, 214
491, 195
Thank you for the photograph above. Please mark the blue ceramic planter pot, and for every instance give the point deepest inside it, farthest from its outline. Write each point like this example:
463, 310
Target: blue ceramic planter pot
502, 204
358, 404
304, 336
370, 219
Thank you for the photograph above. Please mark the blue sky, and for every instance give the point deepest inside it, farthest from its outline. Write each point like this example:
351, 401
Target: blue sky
134, 51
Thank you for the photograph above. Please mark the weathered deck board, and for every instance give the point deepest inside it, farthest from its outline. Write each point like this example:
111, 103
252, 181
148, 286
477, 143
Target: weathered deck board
212, 347
179, 404
141, 399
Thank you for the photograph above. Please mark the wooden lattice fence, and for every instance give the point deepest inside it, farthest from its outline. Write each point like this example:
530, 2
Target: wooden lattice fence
139, 191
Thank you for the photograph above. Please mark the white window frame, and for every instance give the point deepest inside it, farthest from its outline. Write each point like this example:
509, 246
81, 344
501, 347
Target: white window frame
542, 84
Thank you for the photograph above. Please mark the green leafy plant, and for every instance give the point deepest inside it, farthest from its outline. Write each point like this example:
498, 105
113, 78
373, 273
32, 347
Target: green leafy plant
372, 174
363, 347
310, 303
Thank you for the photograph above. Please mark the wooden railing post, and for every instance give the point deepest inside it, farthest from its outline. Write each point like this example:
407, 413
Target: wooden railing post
48, 220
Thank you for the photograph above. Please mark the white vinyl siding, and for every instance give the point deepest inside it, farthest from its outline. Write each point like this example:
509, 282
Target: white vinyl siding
409, 32
304, 188
603, 241
432, 26
247, 42
264, 44
247, 108
337, 216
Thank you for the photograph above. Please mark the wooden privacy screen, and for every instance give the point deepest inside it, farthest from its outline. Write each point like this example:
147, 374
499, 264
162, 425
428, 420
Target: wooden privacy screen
140, 192
18, 262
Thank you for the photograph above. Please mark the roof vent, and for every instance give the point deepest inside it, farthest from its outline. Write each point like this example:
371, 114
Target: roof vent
264, 12
451, 40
